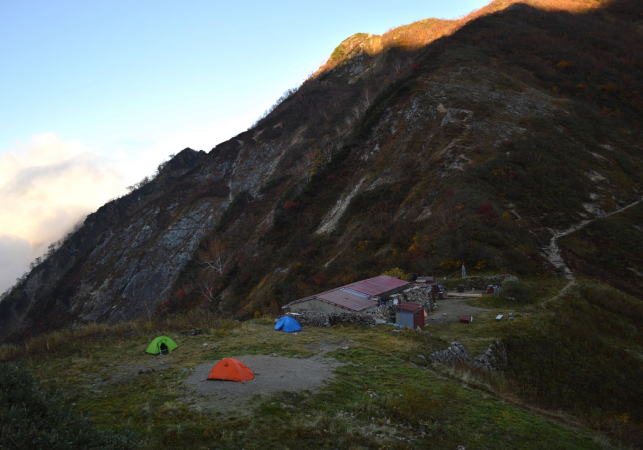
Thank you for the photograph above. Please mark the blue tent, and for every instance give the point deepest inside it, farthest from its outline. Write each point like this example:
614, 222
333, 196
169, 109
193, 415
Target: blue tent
287, 324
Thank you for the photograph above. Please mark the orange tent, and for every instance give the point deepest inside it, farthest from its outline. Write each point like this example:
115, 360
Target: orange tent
231, 369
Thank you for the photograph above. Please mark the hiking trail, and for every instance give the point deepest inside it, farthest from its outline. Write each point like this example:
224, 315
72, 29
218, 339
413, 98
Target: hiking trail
554, 255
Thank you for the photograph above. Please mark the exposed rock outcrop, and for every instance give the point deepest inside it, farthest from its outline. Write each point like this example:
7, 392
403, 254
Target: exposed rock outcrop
493, 358
454, 354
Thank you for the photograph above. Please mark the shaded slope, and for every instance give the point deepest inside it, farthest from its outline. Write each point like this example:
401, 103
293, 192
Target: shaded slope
611, 250
423, 185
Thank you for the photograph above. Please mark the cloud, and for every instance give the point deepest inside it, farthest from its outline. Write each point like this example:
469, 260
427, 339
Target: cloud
15, 255
47, 185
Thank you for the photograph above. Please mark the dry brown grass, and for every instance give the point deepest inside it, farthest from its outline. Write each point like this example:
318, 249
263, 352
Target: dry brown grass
64, 340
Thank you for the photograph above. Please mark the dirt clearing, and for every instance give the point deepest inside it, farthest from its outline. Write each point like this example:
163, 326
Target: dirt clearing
451, 308
272, 374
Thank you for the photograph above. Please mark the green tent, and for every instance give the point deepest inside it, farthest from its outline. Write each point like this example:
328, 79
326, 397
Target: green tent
161, 344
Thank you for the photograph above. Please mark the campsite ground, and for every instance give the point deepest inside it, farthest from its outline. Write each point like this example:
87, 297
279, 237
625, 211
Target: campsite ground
273, 374
343, 387
452, 307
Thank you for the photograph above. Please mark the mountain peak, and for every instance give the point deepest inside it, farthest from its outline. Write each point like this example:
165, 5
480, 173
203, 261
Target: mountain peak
422, 32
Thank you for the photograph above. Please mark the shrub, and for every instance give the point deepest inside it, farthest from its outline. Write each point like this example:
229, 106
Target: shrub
33, 418
583, 359
517, 291
234, 209
487, 210
418, 406
397, 273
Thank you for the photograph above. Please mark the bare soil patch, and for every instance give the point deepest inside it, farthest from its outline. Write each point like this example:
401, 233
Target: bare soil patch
451, 308
273, 374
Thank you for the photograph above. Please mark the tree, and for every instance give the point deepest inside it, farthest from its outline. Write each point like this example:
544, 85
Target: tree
214, 256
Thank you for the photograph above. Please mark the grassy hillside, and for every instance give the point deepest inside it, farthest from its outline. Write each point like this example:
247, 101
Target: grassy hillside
610, 250
384, 392
521, 121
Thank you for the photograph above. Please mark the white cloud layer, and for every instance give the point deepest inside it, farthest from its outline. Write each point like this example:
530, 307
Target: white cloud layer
47, 186
15, 255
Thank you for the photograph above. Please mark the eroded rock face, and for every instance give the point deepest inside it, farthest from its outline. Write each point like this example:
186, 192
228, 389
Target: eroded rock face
119, 263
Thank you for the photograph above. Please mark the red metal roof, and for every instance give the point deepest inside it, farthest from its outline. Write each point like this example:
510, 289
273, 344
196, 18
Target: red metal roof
355, 301
346, 300
376, 285
408, 306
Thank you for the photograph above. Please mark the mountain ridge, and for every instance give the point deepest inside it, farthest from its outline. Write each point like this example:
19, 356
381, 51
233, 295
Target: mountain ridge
419, 158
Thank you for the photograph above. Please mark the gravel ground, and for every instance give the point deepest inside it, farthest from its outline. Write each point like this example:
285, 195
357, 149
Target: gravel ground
272, 374
451, 308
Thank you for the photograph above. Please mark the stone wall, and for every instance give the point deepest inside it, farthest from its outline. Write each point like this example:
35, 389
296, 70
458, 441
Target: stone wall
420, 293
327, 319
385, 313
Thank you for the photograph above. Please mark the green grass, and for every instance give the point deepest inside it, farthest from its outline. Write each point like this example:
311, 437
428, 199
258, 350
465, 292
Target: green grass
384, 396
610, 249
35, 416
522, 294
582, 355
485, 329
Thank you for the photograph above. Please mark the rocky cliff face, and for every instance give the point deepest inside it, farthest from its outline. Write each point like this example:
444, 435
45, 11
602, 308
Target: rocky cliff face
437, 143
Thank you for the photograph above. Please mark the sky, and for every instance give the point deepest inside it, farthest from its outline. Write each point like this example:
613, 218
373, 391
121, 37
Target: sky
95, 95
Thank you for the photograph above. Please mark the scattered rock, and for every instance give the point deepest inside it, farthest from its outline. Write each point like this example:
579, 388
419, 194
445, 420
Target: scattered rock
493, 358
455, 353
194, 332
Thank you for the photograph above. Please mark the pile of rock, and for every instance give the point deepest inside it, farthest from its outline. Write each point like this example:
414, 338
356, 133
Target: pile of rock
385, 313
493, 358
323, 319
420, 293
194, 332
455, 353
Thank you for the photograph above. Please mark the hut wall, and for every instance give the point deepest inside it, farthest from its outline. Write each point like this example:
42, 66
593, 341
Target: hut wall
404, 318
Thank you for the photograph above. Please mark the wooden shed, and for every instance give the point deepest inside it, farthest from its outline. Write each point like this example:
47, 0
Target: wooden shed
410, 315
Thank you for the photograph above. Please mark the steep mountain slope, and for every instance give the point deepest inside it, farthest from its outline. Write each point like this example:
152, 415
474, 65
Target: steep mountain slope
402, 151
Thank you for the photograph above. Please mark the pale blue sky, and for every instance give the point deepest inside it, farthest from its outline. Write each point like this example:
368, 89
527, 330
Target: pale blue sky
94, 70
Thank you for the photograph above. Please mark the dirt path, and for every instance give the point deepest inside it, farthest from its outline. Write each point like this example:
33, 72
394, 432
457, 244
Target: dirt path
273, 374
554, 255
